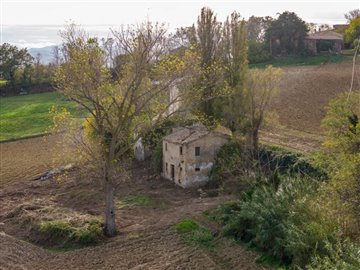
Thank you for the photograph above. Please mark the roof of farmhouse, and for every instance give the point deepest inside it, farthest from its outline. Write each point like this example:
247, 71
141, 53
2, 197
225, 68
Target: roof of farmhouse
183, 135
325, 35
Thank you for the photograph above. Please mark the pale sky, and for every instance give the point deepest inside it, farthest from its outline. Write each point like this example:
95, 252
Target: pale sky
36, 23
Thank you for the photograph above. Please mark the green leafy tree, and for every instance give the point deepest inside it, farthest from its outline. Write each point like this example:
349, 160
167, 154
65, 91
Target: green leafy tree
235, 68
340, 157
11, 58
352, 33
285, 35
208, 39
256, 28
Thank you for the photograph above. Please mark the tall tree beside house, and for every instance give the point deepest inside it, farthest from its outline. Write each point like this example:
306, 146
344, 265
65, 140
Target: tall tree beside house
208, 39
235, 68
286, 34
118, 108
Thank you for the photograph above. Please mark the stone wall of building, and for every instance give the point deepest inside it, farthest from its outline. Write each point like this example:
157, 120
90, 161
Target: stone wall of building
184, 167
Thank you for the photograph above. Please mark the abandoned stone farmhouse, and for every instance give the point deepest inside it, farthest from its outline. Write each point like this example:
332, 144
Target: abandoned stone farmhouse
189, 152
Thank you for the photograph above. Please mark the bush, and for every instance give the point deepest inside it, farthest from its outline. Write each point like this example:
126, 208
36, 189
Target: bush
274, 158
284, 224
342, 255
233, 162
257, 52
195, 234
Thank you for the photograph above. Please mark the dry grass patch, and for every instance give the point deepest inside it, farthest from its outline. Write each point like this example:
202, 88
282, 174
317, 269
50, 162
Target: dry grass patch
48, 224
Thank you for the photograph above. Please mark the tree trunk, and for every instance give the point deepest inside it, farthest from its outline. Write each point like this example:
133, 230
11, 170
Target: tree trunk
110, 227
255, 141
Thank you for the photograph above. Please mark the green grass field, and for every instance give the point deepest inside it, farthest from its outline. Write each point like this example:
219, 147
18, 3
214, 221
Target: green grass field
301, 61
28, 115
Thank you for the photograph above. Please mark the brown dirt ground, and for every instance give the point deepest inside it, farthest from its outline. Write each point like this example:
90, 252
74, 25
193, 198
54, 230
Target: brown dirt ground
26, 159
306, 91
147, 238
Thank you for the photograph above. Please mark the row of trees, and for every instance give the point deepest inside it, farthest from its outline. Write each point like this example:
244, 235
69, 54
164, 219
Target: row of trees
21, 69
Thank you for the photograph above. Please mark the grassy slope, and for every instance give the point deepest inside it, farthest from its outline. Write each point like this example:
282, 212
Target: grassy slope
301, 61
23, 116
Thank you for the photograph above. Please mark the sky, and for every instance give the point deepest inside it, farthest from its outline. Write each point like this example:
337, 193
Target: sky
35, 24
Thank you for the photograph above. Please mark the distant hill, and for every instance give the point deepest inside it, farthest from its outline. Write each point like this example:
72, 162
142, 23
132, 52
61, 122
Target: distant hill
45, 52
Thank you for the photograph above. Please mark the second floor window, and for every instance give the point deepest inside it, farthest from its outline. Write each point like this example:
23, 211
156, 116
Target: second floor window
181, 150
197, 151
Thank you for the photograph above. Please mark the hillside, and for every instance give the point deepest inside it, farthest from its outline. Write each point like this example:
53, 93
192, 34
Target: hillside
305, 92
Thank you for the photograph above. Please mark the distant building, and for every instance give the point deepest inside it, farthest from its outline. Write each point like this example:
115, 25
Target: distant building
340, 28
324, 41
189, 152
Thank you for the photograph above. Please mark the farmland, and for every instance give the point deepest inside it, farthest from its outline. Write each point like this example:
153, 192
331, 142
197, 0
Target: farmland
28, 115
148, 208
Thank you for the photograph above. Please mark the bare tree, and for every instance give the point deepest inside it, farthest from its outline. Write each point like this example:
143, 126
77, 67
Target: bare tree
261, 87
136, 101
56, 53
353, 14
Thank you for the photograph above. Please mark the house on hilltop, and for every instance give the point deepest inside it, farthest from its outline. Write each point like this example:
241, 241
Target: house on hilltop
189, 152
324, 41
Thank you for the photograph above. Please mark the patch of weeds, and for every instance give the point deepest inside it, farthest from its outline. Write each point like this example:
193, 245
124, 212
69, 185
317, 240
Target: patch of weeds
195, 234
56, 228
137, 200
59, 231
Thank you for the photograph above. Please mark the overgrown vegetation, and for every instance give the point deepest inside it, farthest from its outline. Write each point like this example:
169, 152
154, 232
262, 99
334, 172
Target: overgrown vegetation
235, 163
195, 234
303, 213
60, 231
285, 223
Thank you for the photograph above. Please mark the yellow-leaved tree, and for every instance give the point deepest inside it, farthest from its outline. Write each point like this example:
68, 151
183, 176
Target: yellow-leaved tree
124, 103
